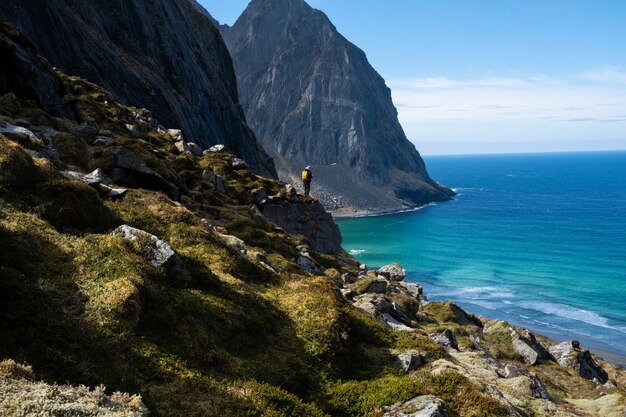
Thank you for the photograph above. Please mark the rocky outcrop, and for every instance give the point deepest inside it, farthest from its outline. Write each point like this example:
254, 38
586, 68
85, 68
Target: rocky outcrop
393, 272
307, 218
569, 355
445, 339
163, 55
312, 98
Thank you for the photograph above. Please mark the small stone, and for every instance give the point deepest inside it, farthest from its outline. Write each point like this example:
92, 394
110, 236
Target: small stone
422, 406
348, 279
102, 140
309, 265
513, 371
87, 131
97, 177
175, 134
182, 146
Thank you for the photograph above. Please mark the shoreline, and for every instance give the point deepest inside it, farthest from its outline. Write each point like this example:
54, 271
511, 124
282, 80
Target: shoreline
359, 214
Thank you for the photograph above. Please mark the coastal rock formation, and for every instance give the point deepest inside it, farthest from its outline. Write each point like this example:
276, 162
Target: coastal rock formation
307, 218
423, 406
569, 355
163, 55
312, 98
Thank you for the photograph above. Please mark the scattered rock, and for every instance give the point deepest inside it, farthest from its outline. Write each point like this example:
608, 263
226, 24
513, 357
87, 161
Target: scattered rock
99, 181
194, 148
422, 406
87, 131
513, 371
410, 361
569, 355
182, 146
524, 348
238, 163
415, 290
259, 196
175, 134
383, 310
393, 272
308, 264
445, 339
538, 388
214, 149
133, 171
348, 279
377, 286
156, 251
16, 133
134, 130
233, 242
97, 177
362, 270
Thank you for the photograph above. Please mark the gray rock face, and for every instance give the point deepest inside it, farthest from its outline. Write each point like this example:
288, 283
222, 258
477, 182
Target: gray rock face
393, 272
312, 98
162, 55
410, 361
307, 218
132, 171
445, 339
157, 252
569, 355
423, 406
525, 344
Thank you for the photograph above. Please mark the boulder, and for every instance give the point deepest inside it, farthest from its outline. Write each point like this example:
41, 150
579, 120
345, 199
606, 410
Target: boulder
238, 163
523, 348
445, 339
362, 270
97, 177
214, 149
410, 361
537, 388
393, 272
133, 171
414, 290
99, 181
383, 310
182, 146
259, 195
422, 406
156, 251
377, 286
87, 131
194, 148
233, 242
308, 264
569, 355
175, 134
348, 279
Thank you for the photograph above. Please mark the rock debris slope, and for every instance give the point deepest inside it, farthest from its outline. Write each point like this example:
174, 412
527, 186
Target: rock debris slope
163, 55
312, 98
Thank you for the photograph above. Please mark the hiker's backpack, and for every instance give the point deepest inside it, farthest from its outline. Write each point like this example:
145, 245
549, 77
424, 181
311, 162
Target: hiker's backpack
306, 175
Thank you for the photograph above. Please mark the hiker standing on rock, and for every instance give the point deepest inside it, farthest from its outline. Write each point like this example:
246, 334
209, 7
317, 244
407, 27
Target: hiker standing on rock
307, 176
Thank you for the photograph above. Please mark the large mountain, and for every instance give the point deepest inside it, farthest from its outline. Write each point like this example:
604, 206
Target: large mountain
312, 98
161, 54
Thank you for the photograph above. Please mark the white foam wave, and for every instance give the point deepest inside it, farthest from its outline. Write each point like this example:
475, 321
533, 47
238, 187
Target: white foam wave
569, 312
357, 251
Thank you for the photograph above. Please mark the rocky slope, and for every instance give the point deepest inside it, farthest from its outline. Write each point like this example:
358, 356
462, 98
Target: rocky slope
132, 262
312, 98
163, 55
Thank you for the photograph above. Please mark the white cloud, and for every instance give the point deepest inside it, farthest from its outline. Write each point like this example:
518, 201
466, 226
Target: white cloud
604, 75
533, 108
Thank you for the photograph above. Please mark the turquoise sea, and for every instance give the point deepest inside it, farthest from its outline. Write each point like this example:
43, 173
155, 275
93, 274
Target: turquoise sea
538, 240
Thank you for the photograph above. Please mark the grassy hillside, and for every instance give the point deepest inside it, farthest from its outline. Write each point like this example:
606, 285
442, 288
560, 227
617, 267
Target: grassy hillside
251, 332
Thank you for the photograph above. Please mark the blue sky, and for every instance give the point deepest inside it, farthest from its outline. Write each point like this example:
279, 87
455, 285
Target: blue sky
492, 75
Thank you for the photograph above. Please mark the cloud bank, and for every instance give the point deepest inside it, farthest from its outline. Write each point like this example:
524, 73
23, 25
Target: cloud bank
583, 111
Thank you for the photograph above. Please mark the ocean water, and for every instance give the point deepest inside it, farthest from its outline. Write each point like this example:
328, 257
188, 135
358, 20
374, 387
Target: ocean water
538, 240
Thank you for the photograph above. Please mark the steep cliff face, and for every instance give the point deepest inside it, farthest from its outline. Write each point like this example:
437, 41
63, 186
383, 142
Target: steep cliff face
163, 55
312, 98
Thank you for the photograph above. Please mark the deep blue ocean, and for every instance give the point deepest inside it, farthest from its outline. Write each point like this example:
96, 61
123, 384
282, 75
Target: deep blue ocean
538, 240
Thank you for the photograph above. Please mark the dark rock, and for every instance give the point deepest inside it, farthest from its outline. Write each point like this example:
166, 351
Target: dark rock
136, 50
348, 279
422, 406
238, 163
569, 355
307, 218
134, 130
132, 171
194, 149
445, 339
383, 310
393, 272
313, 99
87, 131
182, 146
538, 388
308, 264
377, 286
526, 345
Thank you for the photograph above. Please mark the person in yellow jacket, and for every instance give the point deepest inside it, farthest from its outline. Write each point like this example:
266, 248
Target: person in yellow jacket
307, 176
